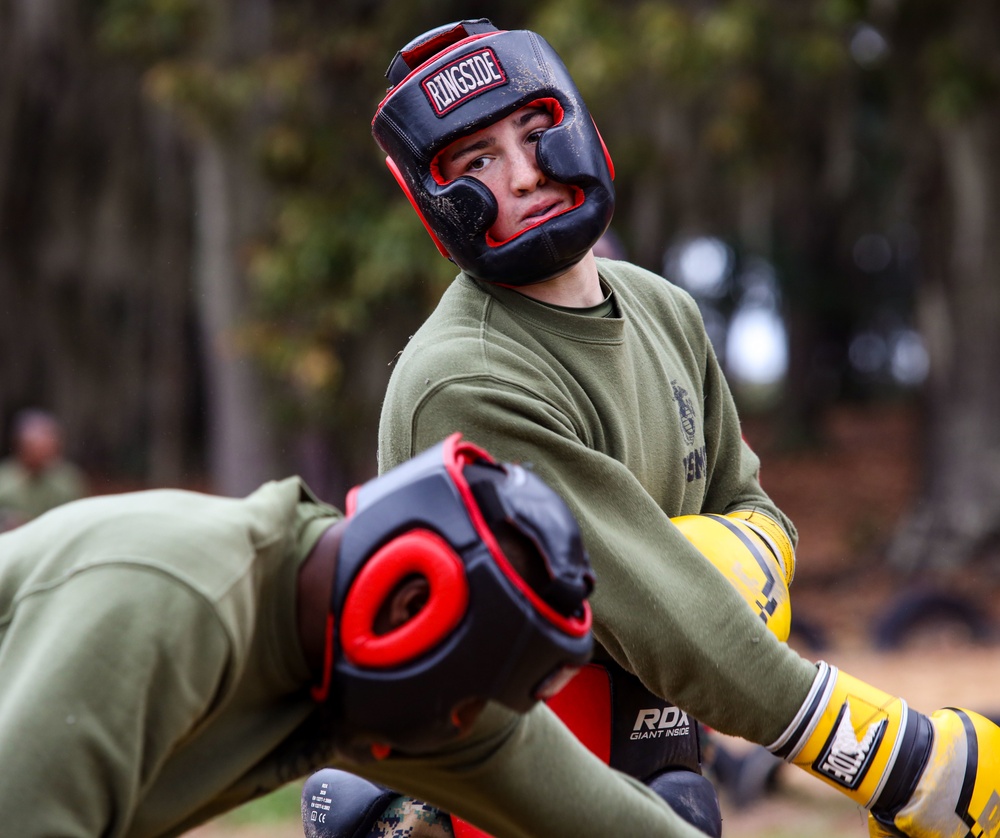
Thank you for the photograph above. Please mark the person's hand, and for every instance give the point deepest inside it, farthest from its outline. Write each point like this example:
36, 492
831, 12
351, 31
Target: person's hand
919, 776
876, 830
753, 563
958, 791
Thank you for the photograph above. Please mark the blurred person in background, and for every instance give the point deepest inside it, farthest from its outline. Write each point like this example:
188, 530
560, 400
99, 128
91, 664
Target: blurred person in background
36, 477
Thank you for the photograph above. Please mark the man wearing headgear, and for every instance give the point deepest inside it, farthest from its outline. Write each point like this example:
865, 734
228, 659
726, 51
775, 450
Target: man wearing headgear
601, 374
168, 655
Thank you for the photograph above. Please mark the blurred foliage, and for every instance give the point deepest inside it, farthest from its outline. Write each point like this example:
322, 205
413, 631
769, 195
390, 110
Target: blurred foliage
341, 251
150, 29
277, 807
700, 101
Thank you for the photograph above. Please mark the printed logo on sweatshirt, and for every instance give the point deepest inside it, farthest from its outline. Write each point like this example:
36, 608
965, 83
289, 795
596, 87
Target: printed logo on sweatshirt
694, 463
845, 759
660, 722
462, 79
686, 409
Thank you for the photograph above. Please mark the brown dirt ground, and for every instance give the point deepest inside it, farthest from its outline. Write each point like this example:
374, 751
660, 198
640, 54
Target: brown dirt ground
846, 498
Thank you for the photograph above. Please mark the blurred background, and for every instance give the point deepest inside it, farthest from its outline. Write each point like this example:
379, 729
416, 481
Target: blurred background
206, 270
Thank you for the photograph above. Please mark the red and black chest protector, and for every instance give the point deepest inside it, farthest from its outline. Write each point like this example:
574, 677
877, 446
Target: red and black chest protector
459, 78
484, 632
624, 724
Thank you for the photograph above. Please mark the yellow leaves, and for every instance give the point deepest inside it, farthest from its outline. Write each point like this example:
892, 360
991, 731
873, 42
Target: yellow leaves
664, 33
206, 97
591, 38
399, 254
220, 97
315, 369
729, 33
305, 361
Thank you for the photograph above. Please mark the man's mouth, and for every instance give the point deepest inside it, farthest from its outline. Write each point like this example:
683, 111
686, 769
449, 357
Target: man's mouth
541, 213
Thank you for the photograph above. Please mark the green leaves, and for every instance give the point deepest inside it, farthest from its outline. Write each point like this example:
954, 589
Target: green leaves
705, 107
150, 29
960, 83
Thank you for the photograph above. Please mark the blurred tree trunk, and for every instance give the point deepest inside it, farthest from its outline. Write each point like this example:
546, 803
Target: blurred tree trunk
172, 386
94, 254
957, 516
239, 444
231, 206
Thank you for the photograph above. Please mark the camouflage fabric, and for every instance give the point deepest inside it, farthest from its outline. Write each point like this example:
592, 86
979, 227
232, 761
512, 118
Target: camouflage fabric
407, 818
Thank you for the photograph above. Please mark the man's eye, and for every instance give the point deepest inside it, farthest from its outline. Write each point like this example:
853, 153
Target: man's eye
534, 136
478, 164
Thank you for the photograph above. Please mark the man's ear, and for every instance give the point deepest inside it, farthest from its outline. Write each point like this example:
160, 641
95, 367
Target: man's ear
403, 604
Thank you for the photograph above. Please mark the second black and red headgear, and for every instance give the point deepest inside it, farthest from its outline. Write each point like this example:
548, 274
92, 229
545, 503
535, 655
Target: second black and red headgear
464, 76
485, 632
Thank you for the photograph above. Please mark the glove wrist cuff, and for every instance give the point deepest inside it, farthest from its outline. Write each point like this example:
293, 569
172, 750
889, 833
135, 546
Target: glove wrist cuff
914, 748
848, 734
773, 535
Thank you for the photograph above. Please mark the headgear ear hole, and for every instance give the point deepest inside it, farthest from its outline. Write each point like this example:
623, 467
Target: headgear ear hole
416, 552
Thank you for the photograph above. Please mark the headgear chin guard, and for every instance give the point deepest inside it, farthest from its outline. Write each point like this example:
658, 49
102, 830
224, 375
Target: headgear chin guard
459, 78
484, 632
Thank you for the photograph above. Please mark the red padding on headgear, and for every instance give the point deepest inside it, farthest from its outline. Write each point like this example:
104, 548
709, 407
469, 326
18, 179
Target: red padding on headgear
419, 552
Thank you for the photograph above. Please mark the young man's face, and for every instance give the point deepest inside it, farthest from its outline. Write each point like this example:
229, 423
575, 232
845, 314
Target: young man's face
502, 156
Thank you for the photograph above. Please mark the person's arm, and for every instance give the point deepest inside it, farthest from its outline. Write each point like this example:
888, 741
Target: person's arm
101, 676
733, 485
526, 776
660, 609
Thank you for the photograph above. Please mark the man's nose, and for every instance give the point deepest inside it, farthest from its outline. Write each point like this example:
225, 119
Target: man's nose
526, 174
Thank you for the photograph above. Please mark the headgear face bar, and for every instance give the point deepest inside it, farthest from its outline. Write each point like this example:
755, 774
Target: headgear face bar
459, 78
484, 633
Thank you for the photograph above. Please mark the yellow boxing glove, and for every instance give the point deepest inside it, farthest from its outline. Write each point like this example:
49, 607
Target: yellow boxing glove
919, 776
753, 552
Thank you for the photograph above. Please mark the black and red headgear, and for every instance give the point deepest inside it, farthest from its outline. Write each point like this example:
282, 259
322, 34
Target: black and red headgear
459, 78
485, 632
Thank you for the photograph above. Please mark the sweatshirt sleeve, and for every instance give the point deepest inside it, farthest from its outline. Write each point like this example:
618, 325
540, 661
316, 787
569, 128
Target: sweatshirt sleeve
734, 469
524, 776
660, 609
102, 674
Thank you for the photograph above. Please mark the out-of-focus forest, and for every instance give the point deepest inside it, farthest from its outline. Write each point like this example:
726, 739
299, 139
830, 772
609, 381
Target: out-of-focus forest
206, 270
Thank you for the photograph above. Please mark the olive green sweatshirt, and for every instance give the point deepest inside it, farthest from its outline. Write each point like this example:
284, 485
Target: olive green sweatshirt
631, 420
152, 676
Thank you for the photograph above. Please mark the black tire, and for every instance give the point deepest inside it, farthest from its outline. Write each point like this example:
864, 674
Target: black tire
922, 609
